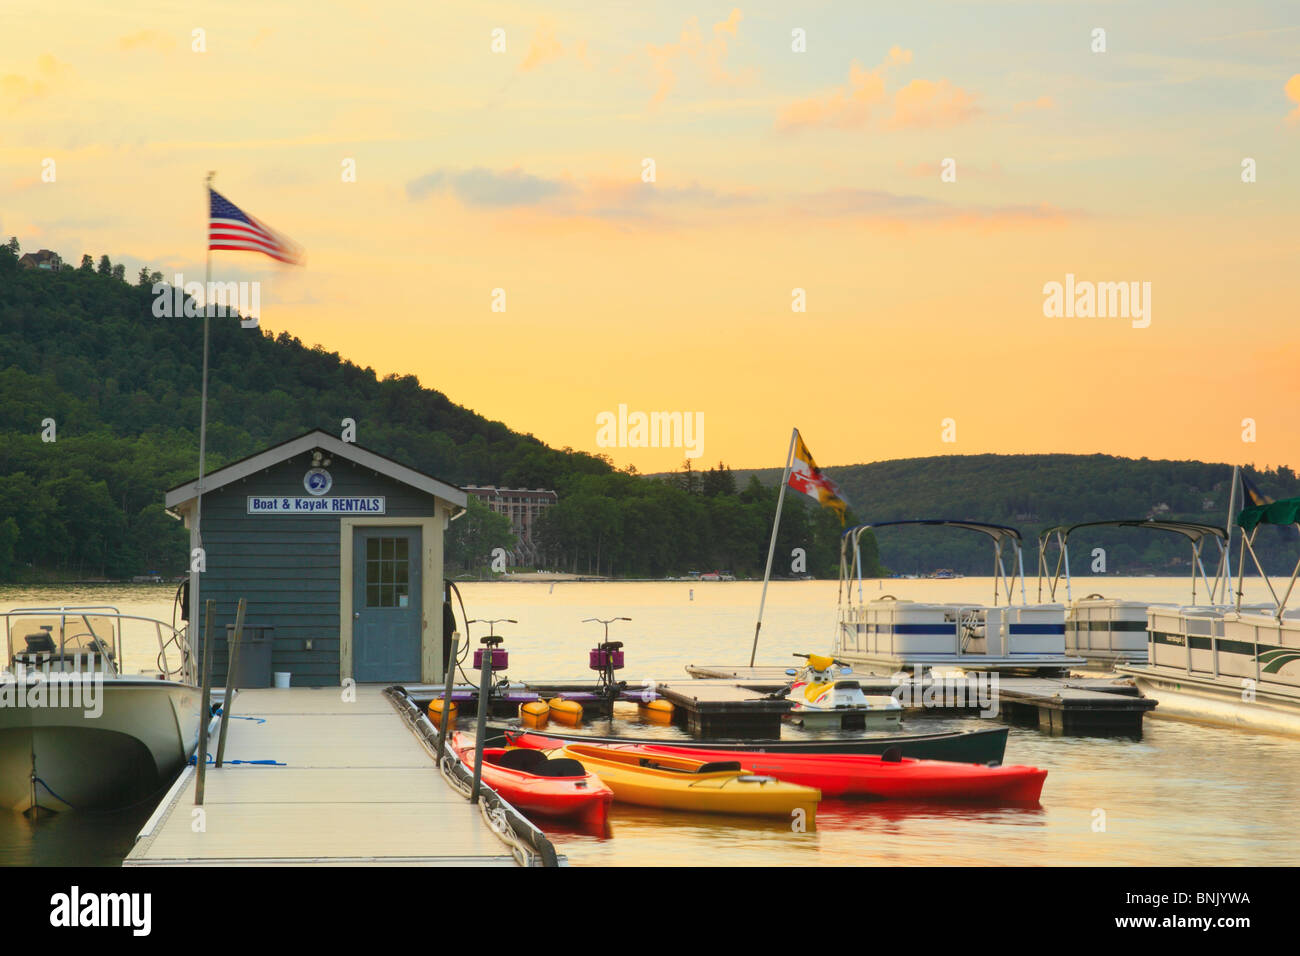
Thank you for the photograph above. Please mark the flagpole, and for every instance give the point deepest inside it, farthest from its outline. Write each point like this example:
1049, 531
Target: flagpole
1227, 552
771, 548
203, 400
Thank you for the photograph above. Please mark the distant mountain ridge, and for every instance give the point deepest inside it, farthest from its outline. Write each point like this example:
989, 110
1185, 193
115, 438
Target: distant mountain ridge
1035, 492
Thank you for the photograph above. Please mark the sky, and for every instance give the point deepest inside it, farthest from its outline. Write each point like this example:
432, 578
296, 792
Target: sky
840, 217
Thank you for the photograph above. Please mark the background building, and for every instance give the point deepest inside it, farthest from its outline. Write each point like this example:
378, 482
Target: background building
45, 259
522, 506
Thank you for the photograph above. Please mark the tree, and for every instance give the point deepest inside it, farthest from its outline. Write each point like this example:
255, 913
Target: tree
119, 273
87, 263
719, 481
473, 536
105, 266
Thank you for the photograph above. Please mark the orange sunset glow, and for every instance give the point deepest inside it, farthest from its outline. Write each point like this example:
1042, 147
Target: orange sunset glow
832, 218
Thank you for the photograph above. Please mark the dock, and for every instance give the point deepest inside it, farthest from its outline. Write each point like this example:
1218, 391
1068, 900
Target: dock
706, 708
1077, 706
349, 783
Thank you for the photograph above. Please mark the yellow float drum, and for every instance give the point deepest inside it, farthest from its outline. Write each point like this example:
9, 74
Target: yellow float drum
534, 714
435, 713
657, 711
568, 712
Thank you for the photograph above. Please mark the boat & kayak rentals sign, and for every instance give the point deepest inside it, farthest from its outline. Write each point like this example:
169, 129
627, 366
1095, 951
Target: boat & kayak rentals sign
372, 505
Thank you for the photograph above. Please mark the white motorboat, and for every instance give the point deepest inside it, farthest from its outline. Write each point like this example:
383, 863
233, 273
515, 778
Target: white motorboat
1108, 631
889, 633
1238, 665
822, 701
77, 731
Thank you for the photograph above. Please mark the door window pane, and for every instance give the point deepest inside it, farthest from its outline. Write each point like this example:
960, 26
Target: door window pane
387, 573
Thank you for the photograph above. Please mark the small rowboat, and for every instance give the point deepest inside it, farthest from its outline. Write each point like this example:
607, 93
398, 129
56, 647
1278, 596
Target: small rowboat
670, 782
554, 787
886, 777
965, 746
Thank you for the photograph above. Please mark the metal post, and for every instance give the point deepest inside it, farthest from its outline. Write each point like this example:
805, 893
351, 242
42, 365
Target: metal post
205, 705
446, 694
771, 548
230, 679
484, 701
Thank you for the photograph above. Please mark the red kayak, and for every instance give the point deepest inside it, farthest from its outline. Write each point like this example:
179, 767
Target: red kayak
878, 777
558, 788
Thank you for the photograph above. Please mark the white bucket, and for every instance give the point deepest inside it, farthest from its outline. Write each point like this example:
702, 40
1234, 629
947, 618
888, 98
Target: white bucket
282, 678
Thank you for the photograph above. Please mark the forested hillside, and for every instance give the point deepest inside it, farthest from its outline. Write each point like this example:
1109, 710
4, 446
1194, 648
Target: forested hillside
1035, 492
81, 347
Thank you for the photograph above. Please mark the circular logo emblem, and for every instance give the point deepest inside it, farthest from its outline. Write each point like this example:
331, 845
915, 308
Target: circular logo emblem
317, 481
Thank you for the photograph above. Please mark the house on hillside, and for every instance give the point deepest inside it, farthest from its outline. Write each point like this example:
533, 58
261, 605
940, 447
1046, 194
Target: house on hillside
45, 259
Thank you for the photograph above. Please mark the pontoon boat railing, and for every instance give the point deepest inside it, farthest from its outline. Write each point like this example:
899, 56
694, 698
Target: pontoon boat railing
1279, 514
166, 635
1194, 531
1001, 535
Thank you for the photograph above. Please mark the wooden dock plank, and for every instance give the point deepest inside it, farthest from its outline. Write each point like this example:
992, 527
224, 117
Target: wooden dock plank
358, 788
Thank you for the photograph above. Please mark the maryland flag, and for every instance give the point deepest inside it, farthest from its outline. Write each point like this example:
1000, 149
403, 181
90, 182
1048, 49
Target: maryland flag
805, 476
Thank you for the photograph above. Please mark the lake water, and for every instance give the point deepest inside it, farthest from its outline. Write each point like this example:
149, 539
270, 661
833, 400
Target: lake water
1184, 794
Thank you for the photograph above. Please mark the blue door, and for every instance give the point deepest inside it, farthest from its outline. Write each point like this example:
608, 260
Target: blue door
386, 612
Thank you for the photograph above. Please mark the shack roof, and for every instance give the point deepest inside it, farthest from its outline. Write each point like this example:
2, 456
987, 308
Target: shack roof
181, 495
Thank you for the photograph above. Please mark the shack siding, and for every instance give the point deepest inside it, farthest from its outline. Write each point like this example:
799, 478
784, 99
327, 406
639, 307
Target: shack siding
287, 566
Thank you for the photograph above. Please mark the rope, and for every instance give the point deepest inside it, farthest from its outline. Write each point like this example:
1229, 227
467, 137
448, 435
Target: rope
211, 760
36, 779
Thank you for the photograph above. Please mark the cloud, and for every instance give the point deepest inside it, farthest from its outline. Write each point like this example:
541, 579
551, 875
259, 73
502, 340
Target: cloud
893, 209
1042, 103
605, 199
486, 187
1292, 89
17, 90
543, 48
925, 104
146, 39
857, 104
628, 201
692, 48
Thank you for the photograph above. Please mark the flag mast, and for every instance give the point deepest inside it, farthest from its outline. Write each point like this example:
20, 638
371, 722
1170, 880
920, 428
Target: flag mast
771, 548
203, 400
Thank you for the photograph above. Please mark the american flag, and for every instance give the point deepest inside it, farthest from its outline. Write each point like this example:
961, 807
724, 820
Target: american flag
229, 227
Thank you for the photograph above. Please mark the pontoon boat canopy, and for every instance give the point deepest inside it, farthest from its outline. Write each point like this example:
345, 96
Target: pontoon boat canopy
1192, 530
1000, 534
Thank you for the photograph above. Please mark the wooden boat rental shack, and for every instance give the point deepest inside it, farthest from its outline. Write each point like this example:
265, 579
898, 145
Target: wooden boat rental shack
339, 553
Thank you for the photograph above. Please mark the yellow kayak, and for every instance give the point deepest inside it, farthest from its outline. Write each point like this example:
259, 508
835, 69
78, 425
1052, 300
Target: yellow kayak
680, 783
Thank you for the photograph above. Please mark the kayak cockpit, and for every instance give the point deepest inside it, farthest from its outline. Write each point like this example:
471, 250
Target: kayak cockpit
535, 762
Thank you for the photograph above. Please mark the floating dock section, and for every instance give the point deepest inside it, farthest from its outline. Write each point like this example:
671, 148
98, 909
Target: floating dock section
349, 782
1080, 706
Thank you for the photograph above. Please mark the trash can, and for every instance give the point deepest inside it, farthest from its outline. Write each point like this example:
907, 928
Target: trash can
253, 669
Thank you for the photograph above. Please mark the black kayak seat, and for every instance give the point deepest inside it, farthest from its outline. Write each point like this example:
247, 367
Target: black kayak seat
561, 767
528, 761
892, 755
721, 766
